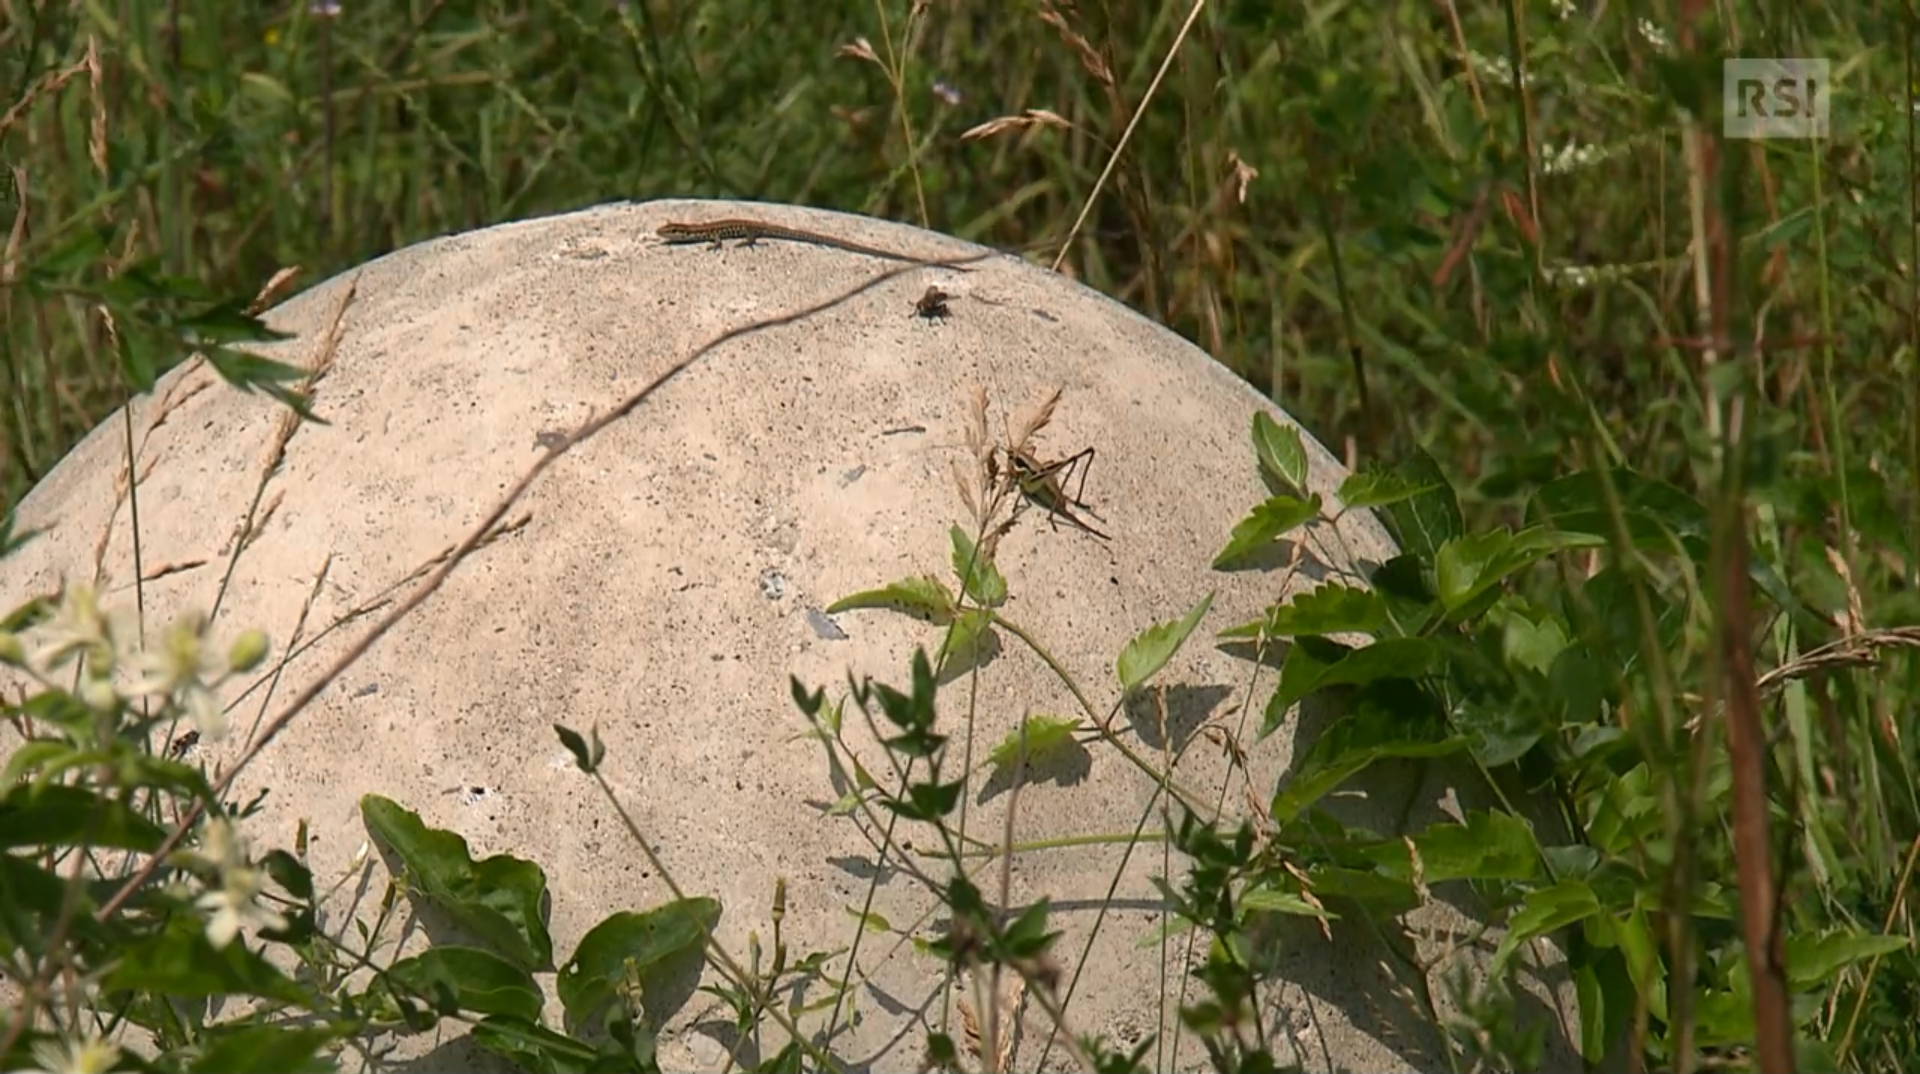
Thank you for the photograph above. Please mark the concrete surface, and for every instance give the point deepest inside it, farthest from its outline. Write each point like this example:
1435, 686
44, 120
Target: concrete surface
669, 578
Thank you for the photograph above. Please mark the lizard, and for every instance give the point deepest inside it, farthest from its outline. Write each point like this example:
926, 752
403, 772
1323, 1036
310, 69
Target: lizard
749, 232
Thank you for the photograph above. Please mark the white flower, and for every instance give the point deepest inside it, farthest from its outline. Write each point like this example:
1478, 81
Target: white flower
1655, 35
221, 846
77, 627
98, 694
89, 1056
1572, 156
181, 669
1495, 68
1574, 276
235, 904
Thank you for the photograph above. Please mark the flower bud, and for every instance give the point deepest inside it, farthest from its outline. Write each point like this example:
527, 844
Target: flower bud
248, 650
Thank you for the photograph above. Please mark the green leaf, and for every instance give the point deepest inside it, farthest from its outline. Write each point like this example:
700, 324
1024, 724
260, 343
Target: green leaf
533, 1047
475, 980
1280, 453
1430, 518
1533, 638
923, 597
1811, 960
1606, 997
1385, 723
926, 801
40, 755
784, 1061
980, 580
1470, 566
253, 1048
84, 247
498, 899
31, 900
1409, 600
1389, 658
149, 770
1272, 900
1044, 735
1330, 609
56, 815
1307, 659
1150, 650
1658, 517
1500, 731
1489, 846
587, 752
870, 921
1653, 509
966, 639
644, 941
1027, 935
58, 708
1381, 894
1254, 533
1546, 910
1381, 489
1641, 951
181, 963
229, 322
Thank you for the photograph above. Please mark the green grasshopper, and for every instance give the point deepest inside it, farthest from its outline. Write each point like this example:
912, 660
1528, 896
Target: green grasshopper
1044, 485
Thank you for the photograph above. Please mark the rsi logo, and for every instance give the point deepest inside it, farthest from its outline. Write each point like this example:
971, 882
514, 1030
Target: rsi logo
1775, 98
1781, 98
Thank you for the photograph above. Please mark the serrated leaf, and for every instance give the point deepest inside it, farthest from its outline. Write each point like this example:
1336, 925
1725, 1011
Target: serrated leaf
1381, 894
1280, 453
1149, 651
1318, 668
1380, 489
1274, 901
498, 898
1331, 608
1470, 566
1430, 518
1266, 523
966, 635
980, 579
1307, 659
1044, 735
1489, 846
924, 597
